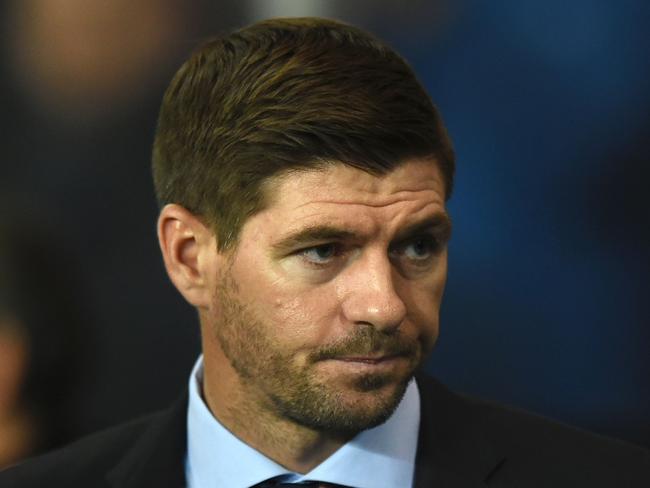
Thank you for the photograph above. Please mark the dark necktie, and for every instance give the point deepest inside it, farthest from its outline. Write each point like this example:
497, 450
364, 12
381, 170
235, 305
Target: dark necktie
304, 484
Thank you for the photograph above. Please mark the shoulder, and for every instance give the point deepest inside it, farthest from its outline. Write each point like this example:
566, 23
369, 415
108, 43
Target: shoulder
533, 448
82, 463
556, 451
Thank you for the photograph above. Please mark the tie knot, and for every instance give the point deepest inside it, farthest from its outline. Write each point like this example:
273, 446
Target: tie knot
303, 484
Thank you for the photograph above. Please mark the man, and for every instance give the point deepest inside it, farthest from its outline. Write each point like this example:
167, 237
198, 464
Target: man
303, 173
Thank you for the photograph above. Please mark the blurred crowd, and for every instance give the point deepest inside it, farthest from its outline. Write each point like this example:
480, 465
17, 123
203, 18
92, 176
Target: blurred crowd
548, 108
80, 85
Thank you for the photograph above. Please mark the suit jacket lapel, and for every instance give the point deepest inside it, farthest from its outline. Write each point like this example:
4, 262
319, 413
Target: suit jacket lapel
157, 458
451, 449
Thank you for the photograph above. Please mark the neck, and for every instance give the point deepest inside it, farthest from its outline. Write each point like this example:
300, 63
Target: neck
252, 418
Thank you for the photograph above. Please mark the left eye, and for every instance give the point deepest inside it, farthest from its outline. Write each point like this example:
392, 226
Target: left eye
320, 254
419, 249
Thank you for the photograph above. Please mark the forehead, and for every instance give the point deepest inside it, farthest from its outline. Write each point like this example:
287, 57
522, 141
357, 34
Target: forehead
341, 183
343, 195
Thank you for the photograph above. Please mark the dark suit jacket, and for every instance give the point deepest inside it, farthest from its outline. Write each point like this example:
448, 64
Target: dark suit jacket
463, 443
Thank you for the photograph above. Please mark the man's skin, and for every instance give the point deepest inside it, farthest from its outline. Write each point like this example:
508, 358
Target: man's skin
314, 322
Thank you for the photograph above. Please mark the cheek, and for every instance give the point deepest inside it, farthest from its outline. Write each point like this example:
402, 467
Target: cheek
423, 304
304, 318
429, 292
295, 314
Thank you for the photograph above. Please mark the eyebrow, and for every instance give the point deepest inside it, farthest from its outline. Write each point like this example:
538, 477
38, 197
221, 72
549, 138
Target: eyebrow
439, 223
310, 234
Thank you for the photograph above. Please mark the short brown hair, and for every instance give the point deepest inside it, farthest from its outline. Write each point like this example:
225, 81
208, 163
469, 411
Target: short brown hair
281, 95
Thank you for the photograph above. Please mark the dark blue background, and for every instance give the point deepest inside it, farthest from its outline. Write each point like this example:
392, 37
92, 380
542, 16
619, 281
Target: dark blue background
547, 300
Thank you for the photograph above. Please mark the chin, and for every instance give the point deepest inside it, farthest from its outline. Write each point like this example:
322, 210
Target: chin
366, 402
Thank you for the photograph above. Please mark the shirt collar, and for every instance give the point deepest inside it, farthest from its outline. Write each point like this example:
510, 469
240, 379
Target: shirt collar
381, 456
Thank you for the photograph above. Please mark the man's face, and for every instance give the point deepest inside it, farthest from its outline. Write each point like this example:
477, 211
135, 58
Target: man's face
330, 300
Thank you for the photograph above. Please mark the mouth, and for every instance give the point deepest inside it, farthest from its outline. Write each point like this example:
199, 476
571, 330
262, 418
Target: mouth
369, 359
368, 372
389, 363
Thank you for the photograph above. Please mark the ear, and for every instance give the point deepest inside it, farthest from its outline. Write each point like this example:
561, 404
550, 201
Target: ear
189, 252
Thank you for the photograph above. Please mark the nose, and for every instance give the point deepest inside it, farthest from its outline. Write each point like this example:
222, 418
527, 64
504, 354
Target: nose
370, 296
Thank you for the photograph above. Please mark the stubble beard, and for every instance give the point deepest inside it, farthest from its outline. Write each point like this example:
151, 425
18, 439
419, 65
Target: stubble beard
297, 394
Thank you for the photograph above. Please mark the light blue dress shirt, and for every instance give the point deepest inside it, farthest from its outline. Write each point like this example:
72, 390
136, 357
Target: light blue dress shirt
383, 456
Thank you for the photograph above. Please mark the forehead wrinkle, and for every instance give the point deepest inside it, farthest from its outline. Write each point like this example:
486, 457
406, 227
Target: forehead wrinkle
333, 184
362, 225
395, 198
367, 225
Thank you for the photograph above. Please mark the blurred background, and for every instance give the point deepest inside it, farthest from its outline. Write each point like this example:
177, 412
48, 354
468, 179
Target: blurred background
548, 104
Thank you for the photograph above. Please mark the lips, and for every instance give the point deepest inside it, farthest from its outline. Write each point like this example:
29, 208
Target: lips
368, 360
367, 346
